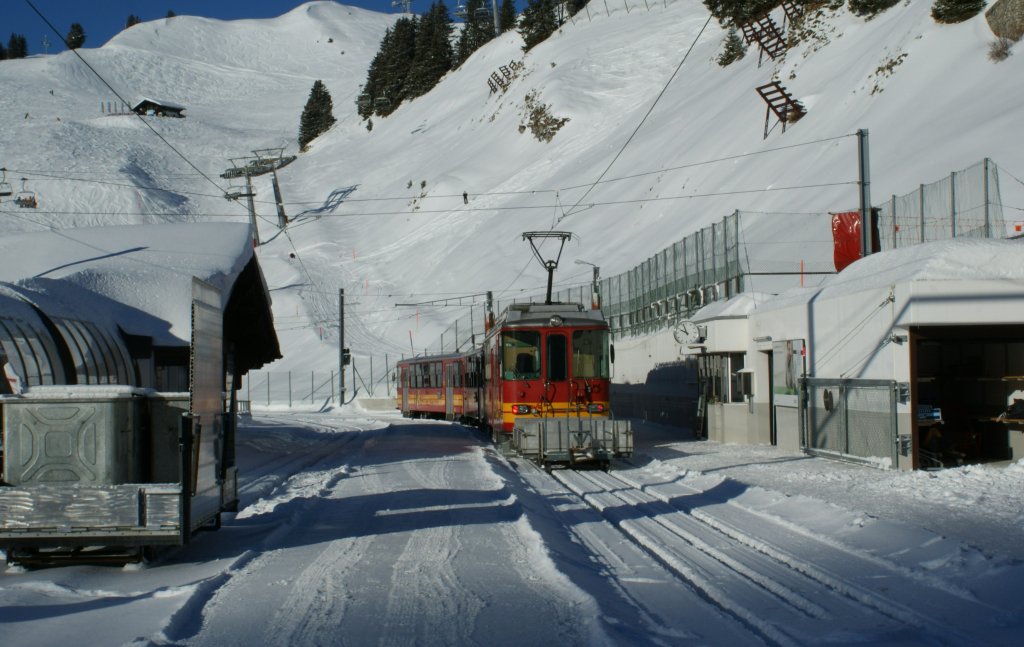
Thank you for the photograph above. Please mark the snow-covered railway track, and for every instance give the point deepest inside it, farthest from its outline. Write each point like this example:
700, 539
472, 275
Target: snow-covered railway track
787, 587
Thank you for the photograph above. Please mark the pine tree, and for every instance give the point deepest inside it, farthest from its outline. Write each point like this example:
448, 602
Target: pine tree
170, 13
433, 51
870, 7
575, 6
398, 56
733, 48
739, 12
954, 11
132, 21
507, 16
75, 37
539, 21
479, 29
17, 46
317, 116
3, 52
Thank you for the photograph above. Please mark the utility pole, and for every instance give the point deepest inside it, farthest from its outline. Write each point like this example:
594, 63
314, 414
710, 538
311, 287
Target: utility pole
342, 351
865, 192
282, 219
252, 210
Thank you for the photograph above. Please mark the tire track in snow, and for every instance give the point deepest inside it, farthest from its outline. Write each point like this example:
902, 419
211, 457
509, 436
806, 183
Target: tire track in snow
193, 617
895, 587
738, 596
730, 565
418, 593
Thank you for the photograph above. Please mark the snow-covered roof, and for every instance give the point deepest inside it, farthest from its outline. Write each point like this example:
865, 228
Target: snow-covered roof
159, 102
139, 274
740, 305
959, 259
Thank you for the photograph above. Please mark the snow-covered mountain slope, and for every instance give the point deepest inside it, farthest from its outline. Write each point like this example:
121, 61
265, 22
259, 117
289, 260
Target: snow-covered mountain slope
632, 170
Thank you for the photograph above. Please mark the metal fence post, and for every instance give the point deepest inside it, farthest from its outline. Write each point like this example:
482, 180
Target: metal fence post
921, 207
952, 203
988, 222
895, 227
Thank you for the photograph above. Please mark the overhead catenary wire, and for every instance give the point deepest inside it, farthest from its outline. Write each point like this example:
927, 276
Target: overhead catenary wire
494, 208
53, 175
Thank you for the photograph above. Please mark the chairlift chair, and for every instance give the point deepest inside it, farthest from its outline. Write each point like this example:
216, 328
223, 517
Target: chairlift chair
482, 14
382, 103
364, 101
26, 199
5, 186
237, 189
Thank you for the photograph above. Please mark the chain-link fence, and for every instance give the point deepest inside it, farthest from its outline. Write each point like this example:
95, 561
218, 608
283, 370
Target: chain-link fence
306, 388
964, 204
852, 419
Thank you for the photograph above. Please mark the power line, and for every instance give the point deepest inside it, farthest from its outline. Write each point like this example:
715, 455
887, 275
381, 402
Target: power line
712, 161
642, 121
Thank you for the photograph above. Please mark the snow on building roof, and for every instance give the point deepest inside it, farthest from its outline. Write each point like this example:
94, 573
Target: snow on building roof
139, 274
959, 259
166, 104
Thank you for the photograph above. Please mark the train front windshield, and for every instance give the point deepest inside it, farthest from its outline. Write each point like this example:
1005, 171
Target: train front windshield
590, 354
586, 356
521, 350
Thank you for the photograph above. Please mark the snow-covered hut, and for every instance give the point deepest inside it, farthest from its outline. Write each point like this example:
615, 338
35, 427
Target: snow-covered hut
158, 108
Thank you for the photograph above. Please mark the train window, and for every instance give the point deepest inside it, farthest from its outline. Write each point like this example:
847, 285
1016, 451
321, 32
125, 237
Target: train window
521, 354
558, 368
590, 354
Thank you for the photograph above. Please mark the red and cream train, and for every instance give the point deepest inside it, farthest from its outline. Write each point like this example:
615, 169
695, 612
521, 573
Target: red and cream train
540, 382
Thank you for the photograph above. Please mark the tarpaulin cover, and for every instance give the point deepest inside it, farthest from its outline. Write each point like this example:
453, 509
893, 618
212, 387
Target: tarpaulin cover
846, 236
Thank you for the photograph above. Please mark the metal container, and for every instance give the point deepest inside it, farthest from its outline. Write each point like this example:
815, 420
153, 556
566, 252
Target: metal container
165, 413
84, 435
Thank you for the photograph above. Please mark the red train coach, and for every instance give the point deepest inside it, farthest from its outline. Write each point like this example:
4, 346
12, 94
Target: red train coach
444, 387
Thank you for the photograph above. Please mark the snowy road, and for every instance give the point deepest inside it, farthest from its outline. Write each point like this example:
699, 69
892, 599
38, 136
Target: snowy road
363, 531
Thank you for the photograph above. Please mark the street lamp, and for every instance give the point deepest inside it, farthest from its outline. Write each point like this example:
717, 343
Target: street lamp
595, 298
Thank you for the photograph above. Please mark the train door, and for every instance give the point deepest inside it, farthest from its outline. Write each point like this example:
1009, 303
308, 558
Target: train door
451, 374
556, 392
403, 384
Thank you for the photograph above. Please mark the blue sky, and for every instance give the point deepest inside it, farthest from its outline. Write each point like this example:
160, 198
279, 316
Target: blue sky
103, 19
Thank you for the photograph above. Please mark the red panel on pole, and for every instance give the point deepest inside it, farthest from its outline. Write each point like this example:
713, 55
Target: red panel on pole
846, 236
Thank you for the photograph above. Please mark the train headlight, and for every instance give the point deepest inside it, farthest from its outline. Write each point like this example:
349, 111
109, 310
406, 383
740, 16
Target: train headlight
595, 408
555, 321
520, 409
